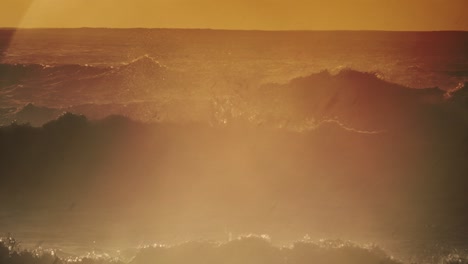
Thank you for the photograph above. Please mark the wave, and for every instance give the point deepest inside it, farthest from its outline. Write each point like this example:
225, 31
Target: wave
117, 161
149, 179
256, 250
247, 249
60, 76
147, 91
143, 62
36, 70
17, 73
252, 249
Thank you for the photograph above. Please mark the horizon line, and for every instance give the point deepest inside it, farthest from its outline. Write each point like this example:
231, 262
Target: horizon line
224, 29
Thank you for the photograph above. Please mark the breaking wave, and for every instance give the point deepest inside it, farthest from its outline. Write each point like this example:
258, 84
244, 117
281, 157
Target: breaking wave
146, 90
247, 249
234, 135
357, 138
251, 249
60, 78
256, 250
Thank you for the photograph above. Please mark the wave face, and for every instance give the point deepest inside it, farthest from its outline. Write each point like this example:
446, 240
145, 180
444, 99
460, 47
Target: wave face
257, 250
156, 75
172, 182
245, 249
59, 85
115, 138
359, 101
251, 249
401, 57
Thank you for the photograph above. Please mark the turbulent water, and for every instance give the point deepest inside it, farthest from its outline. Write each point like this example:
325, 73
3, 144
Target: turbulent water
154, 75
115, 140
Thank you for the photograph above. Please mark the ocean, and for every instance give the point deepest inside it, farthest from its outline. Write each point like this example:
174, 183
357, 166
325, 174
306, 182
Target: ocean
221, 146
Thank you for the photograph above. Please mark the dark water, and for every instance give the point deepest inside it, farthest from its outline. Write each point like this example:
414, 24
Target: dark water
342, 136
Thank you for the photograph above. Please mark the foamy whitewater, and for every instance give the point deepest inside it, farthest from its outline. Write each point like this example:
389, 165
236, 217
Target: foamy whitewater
207, 146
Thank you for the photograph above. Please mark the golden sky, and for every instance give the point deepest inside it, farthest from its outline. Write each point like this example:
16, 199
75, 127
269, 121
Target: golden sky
239, 14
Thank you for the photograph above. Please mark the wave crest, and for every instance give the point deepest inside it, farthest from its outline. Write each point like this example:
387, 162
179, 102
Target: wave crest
257, 250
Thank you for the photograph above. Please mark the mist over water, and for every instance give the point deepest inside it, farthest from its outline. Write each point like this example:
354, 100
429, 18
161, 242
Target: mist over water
116, 140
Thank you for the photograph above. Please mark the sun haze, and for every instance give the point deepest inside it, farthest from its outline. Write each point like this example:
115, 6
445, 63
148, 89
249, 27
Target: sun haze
239, 14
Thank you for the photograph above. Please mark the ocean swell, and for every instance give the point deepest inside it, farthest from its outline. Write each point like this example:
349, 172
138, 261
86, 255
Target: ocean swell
248, 249
147, 91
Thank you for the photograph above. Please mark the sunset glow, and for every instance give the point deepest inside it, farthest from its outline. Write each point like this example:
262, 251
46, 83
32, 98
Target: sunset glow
233, 131
407, 15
